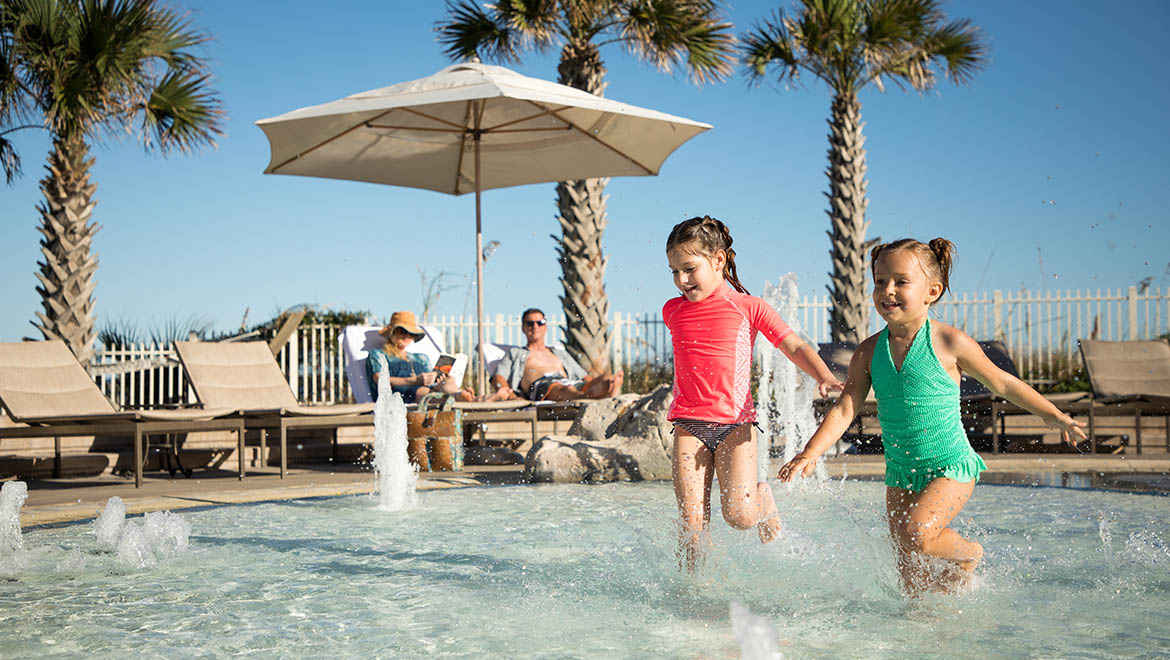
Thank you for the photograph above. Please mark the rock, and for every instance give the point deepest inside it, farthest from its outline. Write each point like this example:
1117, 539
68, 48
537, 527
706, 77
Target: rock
595, 417
626, 438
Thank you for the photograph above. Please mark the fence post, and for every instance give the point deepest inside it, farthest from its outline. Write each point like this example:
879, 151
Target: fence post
294, 348
1131, 297
997, 313
616, 360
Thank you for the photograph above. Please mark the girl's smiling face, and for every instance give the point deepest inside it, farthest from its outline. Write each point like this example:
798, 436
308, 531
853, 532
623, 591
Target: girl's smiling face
902, 290
696, 275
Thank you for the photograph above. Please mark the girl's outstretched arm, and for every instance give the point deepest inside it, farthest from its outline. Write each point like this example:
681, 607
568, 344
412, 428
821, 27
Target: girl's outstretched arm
806, 358
839, 417
972, 360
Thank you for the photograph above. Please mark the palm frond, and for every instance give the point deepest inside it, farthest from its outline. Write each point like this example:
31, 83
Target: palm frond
9, 160
537, 20
770, 42
182, 113
959, 44
852, 43
471, 32
671, 33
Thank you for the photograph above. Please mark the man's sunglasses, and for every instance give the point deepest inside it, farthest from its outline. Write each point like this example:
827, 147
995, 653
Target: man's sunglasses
530, 324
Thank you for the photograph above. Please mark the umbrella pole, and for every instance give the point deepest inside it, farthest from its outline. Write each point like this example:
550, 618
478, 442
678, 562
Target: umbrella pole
481, 364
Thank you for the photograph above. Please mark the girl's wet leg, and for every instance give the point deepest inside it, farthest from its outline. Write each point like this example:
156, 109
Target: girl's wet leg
692, 489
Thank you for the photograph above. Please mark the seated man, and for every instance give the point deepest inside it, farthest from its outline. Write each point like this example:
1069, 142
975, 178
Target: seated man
541, 373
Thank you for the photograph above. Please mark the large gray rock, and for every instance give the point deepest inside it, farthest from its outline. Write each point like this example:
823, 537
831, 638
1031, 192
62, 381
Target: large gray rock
626, 438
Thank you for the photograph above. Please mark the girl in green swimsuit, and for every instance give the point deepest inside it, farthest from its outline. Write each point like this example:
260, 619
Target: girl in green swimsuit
914, 367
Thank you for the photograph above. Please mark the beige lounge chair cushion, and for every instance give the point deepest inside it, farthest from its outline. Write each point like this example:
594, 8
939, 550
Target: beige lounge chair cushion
42, 380
244, 376
1127, 369
240, 375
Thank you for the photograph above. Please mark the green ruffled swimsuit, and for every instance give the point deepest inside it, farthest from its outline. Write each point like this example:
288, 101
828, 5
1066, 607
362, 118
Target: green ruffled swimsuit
918, 409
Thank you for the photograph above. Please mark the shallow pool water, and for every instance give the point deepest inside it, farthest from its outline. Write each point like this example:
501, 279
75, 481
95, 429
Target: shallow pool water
589, 572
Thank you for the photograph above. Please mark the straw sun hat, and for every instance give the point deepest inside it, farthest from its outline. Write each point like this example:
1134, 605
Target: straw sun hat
404, 320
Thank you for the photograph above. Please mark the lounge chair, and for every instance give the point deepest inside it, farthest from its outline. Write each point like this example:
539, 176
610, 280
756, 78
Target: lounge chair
358, 340
43, 386
1128, 377
244, 376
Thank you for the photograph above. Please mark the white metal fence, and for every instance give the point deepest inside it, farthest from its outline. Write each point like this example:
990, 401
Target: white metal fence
1039, 329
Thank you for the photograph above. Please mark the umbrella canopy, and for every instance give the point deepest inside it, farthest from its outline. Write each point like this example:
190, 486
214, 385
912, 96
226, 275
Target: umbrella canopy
472, 127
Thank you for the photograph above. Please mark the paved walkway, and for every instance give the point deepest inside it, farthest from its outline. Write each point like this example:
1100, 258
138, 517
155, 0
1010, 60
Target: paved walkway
53, 501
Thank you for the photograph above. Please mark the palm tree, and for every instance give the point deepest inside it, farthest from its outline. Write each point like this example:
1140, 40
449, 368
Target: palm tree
84, 70
850, 44
685, 33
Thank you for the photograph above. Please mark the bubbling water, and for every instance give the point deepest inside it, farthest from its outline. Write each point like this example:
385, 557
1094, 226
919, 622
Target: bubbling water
108, 526
786, 393
12, 497
396, 478
159, 535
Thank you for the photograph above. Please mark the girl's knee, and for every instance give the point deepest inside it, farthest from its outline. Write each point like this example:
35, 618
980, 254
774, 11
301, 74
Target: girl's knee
740, 519
743, 516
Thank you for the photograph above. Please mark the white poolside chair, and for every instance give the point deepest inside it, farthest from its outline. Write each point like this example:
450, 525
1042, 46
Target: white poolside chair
358, 340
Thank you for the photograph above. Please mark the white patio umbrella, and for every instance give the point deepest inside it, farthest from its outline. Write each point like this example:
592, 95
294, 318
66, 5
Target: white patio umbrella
472, 127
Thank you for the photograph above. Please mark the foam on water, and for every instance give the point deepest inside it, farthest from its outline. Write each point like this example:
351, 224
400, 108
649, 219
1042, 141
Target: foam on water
785, 392
396, 478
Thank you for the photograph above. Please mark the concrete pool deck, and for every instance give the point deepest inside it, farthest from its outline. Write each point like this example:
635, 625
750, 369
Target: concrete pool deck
53, 501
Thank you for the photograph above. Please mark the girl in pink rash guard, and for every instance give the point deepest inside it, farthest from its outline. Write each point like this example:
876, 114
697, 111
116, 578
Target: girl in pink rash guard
713, 326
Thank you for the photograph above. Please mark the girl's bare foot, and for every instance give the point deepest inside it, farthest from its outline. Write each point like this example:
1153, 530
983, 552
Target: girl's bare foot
970, 564
769, 525
959, 574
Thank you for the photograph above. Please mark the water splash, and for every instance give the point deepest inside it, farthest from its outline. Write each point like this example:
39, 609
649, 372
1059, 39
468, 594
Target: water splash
108, 526
12, 497
12, 555
159, 535
396, 478
1146, 548
1105, 530
785, 392
756, 637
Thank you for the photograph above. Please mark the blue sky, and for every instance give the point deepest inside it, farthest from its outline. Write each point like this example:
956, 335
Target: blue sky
1048, 171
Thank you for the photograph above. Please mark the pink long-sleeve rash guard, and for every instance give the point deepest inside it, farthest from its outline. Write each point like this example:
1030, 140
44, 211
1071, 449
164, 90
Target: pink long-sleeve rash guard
713, 341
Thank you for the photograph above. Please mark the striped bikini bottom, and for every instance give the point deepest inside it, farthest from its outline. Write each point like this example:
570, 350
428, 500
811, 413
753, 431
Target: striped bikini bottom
710, 433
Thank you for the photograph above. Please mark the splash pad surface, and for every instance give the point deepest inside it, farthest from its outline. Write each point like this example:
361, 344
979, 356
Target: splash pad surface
589, 571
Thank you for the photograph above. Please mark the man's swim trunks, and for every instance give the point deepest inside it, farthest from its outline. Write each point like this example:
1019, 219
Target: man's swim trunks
539, 387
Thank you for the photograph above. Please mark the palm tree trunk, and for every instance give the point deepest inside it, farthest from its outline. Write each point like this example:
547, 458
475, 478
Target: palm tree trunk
67, 272
582, 217
849, 317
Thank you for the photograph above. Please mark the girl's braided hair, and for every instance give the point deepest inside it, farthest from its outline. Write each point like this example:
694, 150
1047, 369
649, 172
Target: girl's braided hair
936, 257
706, 236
